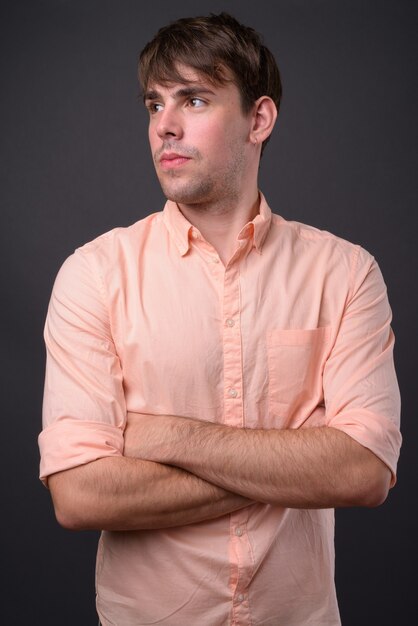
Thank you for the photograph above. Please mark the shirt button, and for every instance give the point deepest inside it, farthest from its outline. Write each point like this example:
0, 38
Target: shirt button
232, 393
238, 532
215, 259
195, 234
230, 322
241, 597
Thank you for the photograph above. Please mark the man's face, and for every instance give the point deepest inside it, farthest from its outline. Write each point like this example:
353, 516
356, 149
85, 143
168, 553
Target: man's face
199, 139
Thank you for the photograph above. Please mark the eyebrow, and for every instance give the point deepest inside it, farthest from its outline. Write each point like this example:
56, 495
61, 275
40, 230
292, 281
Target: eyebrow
183, 92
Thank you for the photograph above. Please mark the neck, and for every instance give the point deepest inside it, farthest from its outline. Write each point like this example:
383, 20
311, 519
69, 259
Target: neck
220, 223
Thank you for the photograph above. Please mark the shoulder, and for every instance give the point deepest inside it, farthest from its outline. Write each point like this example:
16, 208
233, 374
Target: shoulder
305, 232
111, 246
319, 243
121, 237
91, 265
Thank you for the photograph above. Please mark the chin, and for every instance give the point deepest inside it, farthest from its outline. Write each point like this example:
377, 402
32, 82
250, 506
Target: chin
188, 195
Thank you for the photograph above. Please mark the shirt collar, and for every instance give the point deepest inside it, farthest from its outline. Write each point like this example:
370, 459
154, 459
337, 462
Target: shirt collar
180, 228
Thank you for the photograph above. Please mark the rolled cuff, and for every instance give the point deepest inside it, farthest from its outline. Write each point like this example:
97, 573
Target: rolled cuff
375, 432
69, 443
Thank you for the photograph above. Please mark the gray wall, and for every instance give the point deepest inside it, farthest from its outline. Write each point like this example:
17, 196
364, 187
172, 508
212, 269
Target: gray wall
75, 163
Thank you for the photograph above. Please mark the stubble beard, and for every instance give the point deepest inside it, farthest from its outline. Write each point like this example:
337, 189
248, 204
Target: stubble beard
191, 192
207, 189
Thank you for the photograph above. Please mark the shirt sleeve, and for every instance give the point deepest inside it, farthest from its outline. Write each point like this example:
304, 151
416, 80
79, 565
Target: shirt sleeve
360, 387
84, 410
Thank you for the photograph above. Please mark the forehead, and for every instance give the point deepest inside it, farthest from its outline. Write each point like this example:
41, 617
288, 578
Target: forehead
184, 75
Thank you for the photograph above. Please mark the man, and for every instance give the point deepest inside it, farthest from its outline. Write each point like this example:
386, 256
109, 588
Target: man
218, 379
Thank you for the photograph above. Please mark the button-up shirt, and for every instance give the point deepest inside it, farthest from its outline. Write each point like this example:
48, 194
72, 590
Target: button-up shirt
293, 332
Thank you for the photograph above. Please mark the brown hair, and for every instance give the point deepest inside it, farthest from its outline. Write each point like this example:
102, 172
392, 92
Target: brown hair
213, 45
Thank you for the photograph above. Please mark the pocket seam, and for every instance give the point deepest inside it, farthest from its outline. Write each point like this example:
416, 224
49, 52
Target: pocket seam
297, 337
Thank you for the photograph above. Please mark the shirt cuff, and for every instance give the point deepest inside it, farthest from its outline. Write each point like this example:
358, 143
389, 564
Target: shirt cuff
69, 443
375, 432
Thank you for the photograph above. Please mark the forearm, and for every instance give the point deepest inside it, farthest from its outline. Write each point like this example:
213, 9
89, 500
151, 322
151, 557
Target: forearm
130, 494
305, 468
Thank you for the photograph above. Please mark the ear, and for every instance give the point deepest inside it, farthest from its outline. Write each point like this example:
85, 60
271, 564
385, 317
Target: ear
263, 119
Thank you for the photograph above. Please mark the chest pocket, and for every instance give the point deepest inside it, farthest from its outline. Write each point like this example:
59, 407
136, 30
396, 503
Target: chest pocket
296, 360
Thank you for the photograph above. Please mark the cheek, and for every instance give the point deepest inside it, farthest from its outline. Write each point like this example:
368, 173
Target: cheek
212, 140
152, 137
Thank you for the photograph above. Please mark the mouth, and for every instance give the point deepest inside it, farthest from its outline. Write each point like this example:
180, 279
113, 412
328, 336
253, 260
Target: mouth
172, 160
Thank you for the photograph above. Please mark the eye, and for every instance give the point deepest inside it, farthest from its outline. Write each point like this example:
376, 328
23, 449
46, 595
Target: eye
197, 102
154, 107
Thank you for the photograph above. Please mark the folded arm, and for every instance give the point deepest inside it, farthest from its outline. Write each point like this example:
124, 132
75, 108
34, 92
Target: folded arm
119, 493
306, 468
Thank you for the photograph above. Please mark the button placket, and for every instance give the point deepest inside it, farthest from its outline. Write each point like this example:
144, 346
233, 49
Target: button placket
233, 406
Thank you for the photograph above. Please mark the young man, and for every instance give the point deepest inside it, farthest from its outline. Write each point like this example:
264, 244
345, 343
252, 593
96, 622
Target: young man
218, 379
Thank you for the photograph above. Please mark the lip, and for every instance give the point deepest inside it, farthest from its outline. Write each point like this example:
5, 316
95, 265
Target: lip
170, 160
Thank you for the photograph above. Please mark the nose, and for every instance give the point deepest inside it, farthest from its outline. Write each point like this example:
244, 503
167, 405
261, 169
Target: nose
169, 123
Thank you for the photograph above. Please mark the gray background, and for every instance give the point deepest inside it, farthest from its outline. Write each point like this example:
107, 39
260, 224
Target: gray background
75, 163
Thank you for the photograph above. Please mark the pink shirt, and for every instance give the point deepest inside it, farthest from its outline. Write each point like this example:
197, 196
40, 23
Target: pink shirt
294, 332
